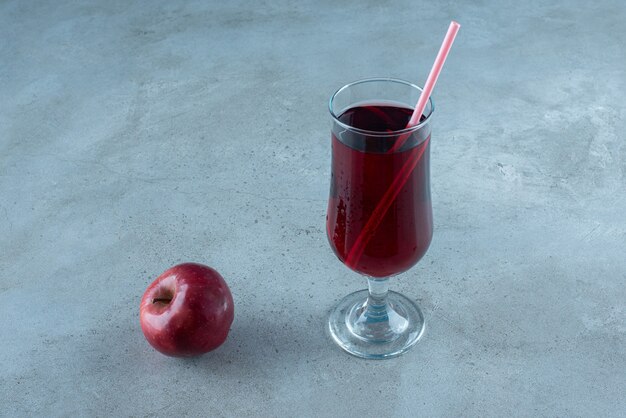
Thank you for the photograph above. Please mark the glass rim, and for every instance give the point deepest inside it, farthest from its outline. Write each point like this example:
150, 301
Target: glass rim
378, 133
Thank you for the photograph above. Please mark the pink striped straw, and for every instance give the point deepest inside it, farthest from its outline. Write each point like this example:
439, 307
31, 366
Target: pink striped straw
390, 195
434, 72
430, 81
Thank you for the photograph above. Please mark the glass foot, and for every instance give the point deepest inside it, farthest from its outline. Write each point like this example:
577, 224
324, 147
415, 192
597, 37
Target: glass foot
373, 329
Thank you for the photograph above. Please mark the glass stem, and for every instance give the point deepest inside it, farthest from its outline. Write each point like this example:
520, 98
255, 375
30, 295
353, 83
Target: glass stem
376, 320
377, 298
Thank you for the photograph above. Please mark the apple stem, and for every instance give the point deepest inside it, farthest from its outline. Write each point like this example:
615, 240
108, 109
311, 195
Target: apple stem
162, 300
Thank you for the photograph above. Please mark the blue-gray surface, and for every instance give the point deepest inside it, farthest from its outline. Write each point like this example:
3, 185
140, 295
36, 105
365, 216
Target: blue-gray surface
135, 135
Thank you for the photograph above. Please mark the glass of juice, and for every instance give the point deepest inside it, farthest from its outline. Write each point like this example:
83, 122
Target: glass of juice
379, 221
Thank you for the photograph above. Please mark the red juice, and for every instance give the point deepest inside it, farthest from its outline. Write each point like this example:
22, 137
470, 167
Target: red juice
366, 171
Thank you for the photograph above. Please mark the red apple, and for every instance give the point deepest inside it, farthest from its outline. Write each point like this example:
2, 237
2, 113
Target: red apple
187, 311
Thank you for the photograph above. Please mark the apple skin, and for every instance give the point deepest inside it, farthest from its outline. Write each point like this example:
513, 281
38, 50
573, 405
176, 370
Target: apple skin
187, 311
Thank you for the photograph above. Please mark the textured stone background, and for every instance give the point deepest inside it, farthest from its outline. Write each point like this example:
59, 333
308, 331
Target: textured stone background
135, 135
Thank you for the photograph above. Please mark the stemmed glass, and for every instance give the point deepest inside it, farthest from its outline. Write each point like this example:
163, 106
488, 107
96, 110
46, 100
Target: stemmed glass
379, 219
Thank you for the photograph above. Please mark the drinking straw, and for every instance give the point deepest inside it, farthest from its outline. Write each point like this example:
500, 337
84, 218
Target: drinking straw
416, 153
430, 82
